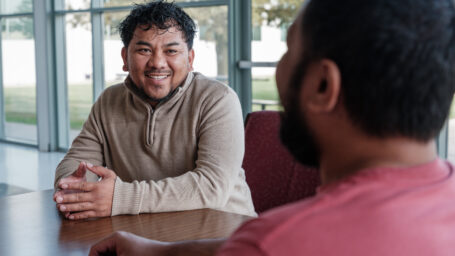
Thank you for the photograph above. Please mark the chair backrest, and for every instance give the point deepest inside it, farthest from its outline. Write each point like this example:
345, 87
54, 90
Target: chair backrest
274, 176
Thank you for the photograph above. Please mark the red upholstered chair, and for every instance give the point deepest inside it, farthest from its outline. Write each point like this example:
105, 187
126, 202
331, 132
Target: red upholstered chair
274, 176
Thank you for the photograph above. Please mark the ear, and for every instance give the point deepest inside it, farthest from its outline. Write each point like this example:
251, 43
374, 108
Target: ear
190, 59
125, 58
322, 86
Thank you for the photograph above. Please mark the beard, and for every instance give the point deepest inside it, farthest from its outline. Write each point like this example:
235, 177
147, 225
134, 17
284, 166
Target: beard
294, 132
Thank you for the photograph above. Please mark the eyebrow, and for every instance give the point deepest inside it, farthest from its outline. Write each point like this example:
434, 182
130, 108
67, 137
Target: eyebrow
150, 45
143, 43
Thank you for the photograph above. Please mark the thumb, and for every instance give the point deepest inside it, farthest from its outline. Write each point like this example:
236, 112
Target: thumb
80, 172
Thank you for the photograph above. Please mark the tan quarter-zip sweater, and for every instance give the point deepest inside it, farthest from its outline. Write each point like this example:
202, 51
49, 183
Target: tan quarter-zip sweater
184, 154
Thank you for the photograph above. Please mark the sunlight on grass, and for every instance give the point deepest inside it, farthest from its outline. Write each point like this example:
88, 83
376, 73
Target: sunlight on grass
20, 102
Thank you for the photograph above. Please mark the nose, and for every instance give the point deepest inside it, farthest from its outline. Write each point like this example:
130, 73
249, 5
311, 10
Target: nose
157, 61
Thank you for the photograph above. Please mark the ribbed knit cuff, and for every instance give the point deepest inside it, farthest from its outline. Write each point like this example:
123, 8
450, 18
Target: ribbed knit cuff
127, 198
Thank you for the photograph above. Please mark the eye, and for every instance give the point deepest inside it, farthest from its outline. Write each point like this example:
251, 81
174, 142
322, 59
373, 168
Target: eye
171, 51
144, 51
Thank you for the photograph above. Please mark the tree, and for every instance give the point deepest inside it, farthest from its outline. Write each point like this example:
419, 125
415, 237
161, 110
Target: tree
23, 26
212, 25
276, 13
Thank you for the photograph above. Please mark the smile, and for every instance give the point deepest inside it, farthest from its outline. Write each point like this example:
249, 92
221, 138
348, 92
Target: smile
156, 77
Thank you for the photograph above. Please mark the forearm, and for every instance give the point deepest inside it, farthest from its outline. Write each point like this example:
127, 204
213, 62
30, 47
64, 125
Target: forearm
186, 192
204, 247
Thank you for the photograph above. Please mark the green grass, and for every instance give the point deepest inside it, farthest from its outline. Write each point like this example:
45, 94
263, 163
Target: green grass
264, 88
20, 102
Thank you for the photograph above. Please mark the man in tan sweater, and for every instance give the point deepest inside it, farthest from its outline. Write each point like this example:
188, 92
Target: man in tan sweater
166, 139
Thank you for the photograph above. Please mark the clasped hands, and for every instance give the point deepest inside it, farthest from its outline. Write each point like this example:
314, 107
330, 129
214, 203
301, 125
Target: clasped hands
79, 199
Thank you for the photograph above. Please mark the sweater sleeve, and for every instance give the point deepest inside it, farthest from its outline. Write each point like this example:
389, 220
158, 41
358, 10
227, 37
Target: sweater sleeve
220, 151
87, 146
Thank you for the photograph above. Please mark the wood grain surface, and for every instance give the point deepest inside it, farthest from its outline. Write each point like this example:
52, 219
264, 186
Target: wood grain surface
31, 225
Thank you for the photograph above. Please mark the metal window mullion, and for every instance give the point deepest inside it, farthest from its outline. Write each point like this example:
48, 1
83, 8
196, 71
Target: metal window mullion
2, 101
45, 86
16, 15
97, 50
61, 81
239, 15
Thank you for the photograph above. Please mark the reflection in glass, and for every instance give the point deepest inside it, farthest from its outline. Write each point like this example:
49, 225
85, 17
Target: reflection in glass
79, 69
19, 80
265, 93
211, 41
16, 6
113, 62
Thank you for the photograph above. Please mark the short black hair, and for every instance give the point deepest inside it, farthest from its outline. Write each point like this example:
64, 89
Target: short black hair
160, 14
396, 59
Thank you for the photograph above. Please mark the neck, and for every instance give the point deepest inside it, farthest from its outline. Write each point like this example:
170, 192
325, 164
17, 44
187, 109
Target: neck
365, 153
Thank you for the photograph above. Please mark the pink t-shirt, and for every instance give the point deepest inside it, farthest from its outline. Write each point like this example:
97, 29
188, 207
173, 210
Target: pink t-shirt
382, 211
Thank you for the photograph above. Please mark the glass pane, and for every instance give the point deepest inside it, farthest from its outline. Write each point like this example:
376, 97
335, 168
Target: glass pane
211, 41
273, 17
265, 93
19, 79
16, 6
79, 69
77, 4
113, 63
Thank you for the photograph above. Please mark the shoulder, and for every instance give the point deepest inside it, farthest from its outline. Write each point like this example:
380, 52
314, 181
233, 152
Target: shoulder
112, 95
113, 91
274, 228
208, 87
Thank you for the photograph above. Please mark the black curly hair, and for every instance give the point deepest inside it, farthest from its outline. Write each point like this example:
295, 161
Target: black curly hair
160, 14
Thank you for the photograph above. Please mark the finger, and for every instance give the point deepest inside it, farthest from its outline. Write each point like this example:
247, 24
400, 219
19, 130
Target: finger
83, 186
82, 215
56, 194
68, 179
99, 170
107, 245
74, 198
76, 207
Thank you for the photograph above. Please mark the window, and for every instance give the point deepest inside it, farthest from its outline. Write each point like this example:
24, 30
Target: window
18, 72
272, 17
78, 69
256, 33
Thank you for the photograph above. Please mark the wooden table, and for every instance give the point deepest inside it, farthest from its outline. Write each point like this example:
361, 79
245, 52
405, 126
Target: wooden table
31, 225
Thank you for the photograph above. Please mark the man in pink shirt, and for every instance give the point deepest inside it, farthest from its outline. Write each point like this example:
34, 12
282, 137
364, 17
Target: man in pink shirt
366, 87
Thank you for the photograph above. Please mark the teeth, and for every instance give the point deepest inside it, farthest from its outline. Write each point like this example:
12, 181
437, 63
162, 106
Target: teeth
157, 77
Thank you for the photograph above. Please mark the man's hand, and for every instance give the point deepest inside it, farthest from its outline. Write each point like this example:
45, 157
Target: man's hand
89, 199
77, 176
123, 243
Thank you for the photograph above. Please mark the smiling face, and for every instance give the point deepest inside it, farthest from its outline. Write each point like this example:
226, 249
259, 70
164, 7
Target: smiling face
158, 61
